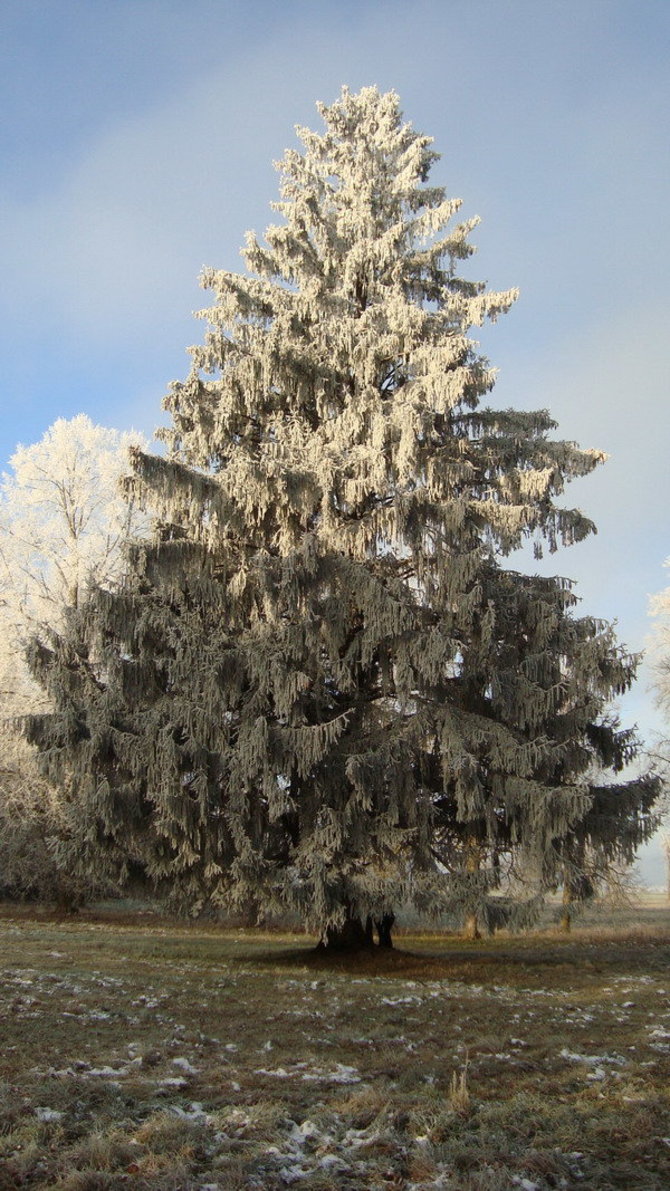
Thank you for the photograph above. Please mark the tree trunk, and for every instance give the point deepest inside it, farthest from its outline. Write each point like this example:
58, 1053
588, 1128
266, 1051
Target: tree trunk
352, 935
471, 927
577, 885
473, 855
68, 900
384, 927
566, 916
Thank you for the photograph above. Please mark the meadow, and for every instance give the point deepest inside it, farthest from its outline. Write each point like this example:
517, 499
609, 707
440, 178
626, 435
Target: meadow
145, 1053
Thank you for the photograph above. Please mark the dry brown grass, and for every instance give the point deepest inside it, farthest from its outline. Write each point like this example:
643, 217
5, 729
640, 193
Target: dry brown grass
165, 1057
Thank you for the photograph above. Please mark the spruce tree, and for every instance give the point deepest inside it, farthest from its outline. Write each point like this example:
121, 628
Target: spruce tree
574, 816
316, 686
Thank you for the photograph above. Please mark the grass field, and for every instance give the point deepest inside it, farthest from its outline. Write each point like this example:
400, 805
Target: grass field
147, 1054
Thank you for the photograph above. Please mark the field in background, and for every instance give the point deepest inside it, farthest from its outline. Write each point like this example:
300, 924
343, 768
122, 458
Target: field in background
139, 1052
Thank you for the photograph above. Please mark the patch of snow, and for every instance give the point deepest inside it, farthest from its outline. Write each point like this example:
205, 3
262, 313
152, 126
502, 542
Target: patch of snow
332, 1162
292, 1174
305, 1132
341, 1074
633, 980
307, 1150
591, 1060
185, 1066
355, 1138
48, 1114
195, 1113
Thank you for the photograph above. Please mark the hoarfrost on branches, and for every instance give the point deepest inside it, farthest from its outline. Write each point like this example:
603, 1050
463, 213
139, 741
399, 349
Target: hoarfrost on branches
63, 524
318, 687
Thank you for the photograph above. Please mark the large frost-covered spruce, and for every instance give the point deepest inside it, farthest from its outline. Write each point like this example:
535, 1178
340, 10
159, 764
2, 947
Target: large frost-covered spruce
317, 687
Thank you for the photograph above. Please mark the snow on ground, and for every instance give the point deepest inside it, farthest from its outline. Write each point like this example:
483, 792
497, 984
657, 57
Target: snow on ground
339, 1074
328, 1147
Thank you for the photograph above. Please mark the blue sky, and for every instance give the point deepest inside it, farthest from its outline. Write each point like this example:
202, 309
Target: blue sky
137, 144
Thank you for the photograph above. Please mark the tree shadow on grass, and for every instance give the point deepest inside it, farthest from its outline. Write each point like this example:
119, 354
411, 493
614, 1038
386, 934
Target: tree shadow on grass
529, 961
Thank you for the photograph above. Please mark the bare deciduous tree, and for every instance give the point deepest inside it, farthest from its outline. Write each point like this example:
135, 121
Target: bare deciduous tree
63, 522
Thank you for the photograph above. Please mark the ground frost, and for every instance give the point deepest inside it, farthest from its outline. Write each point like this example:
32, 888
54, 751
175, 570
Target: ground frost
136, 1062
